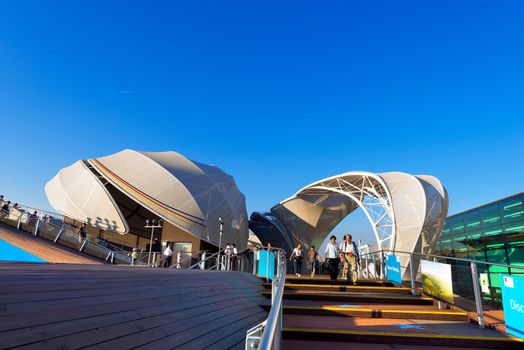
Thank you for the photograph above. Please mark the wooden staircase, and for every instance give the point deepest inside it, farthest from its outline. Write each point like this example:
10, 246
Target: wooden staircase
377, 313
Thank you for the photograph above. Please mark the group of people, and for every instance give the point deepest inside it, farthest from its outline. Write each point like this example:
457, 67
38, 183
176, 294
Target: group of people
6, 207
335, 254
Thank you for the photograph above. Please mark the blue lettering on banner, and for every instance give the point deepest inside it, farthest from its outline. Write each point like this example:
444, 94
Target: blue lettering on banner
513, 304
393, 269
263, 264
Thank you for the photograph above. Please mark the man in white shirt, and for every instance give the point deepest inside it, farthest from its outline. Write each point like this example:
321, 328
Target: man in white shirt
349, 254
168, 254
332, 255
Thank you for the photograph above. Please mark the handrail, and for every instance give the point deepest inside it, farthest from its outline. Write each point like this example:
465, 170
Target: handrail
206, 259
444, 257
268, 334
472, 265
267, 340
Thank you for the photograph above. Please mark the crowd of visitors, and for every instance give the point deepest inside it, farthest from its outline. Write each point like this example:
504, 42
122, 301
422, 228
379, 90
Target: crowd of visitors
345, 255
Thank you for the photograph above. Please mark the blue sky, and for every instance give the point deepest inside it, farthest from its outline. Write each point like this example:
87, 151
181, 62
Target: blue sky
278, 94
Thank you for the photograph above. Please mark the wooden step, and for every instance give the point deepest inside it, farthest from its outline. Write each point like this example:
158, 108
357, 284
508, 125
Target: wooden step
326, 280
402, 338
329, 310
343, 288
355, 297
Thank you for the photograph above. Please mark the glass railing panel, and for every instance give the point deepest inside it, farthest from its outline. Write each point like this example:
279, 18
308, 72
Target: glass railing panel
48, 231
96, 250
70, 238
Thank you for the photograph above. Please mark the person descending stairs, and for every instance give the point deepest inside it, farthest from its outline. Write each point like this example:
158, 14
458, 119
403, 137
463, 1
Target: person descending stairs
375, 312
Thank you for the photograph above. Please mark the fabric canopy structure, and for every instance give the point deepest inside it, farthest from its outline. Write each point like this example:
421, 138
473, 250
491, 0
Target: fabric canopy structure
407, 212
188, 194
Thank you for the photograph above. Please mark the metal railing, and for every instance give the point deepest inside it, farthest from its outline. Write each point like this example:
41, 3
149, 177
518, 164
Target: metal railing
268, 334
466, 274
62, 234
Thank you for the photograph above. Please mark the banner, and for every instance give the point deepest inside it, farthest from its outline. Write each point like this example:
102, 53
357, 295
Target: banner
393, 269
513, 304
436, 280
263, 264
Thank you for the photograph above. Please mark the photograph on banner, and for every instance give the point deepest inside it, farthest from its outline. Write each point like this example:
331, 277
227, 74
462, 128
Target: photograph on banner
393, 269
436, 280
513, 304
484, 284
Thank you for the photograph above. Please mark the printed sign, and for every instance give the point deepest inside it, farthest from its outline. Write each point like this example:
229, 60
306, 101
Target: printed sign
266, 268
393, 269
513, 304
436, 280
484, 285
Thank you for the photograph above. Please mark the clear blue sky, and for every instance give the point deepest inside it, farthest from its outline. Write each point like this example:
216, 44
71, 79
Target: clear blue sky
278, 95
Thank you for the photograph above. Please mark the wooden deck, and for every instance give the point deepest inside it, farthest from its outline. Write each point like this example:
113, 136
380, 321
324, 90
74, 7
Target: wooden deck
46, 306
42, 248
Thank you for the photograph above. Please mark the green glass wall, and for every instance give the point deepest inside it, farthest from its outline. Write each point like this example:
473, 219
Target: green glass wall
492, 233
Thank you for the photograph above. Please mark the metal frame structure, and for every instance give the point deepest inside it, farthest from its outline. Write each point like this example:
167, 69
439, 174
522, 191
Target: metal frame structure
406, 212
371, 195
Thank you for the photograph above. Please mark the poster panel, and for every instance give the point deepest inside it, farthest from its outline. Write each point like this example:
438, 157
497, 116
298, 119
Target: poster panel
265, 268
436, 280
513, 304
393, 269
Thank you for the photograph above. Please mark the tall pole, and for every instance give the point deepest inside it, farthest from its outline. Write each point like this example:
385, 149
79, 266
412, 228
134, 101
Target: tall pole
219, 240
152, 227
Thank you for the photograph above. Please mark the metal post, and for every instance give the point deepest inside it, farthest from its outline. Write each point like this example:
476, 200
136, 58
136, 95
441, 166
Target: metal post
58, 236
412, 274
83, 245
255, 261
150, 246
382, 266
203, 262
478, 296
219, 241
36, 226
178, 260
152, 227
267, 266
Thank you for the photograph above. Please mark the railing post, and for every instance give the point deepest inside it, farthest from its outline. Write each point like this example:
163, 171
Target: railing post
202, 261
83, 245
478, 296
382, 265
412, 274
178, 260
19, 222
267, 265
112, 257
36, 226
58, 235
255, 261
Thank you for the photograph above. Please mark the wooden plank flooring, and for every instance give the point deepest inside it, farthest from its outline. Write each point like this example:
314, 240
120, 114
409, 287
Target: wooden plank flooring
46, 306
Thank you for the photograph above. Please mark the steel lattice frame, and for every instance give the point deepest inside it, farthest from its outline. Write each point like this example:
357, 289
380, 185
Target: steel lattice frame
370, 193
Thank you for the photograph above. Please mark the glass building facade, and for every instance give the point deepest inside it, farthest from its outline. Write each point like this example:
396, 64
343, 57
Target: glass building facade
493, 233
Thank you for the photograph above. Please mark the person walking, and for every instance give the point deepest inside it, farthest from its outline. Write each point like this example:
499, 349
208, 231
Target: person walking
82, 233
134, 256
297, 257
349, 252
168, 255
312, 258
332, 257
234, 262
